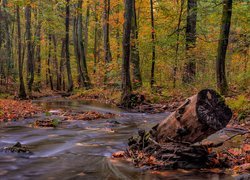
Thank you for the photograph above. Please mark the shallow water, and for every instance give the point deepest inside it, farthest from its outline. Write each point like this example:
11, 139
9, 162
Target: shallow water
80, 149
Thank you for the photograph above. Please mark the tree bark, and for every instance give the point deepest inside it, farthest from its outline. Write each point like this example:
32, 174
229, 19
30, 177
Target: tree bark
81, 49
68, 66
177, 45
86, 30
152, 81
126, 82
106, 23
135, 56
10, 62
56, 67
30, 63
50, 75
22, 92
200, 116
190, 66
222, 47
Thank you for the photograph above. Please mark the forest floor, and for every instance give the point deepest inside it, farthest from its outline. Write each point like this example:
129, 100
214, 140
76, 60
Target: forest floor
16, 110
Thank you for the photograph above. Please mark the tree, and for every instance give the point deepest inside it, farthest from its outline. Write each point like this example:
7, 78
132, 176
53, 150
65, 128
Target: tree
67, 53
152, 81
30, 63
7, 21
222, 46
177, 44
83, 78
126, 83
190, 67
135, 57
22, 93
108, 56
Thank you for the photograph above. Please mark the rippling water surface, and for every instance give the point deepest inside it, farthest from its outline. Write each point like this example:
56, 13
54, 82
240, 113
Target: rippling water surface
79, 149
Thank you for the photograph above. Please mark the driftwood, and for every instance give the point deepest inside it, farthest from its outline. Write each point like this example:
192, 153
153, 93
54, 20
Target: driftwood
200, 116
174, 143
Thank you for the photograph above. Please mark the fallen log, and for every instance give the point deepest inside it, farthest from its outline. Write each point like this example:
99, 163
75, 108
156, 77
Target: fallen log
174, 143
197, 118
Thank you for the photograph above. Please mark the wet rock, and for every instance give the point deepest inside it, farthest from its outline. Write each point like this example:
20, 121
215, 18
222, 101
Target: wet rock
17, 148
47, 123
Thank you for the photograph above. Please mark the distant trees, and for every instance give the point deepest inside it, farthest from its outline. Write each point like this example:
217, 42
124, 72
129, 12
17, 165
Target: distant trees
222, 46
64, 44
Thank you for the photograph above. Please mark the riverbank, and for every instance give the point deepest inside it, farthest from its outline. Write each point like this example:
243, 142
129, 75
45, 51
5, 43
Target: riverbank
15, 110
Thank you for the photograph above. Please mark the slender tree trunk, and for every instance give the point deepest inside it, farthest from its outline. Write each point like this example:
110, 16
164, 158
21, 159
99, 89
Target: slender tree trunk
76, 50
135, 57
62, 62
50, 75
106, 14
81, 50
222, 47
177, 46
22, 93
86, 30
126, 83
118, 56
38, 58
95, 37
68, 66
190, 67
56, 67
10, 62
30, 63
152, 81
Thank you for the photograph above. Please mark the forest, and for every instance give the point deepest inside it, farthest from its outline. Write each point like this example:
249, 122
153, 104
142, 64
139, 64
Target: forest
126, 83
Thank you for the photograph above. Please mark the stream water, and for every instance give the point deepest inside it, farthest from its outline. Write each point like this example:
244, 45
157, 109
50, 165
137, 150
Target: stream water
80, 149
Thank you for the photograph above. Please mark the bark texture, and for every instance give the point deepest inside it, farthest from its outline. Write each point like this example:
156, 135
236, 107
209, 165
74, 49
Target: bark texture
190, 66
222, 46
126, 82
67, 54
200, 116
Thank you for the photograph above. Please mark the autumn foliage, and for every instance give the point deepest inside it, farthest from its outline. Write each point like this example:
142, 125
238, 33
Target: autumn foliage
14, 110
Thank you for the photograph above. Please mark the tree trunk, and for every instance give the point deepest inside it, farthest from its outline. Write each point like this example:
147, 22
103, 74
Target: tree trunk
30, 63
76, 50
118, 55
126, 83
106, 23
38, 52
152, 81
56, 67
200, 116
81, 49
135, 57
190, 66
86, 30
95, 37
10, 63
177, 45
50, 75
68, 66
22, 93
222, 47
62, 64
